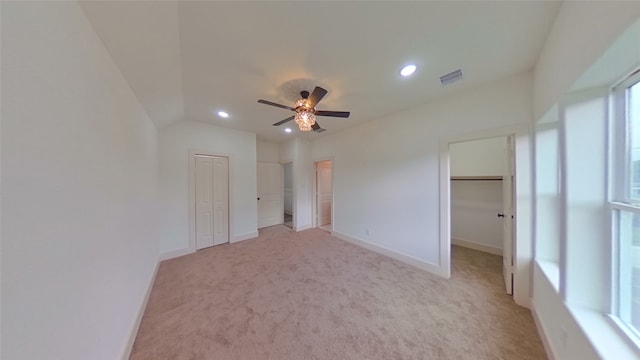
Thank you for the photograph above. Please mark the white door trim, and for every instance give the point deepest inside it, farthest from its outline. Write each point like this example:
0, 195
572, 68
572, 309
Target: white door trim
192, 194
522, 242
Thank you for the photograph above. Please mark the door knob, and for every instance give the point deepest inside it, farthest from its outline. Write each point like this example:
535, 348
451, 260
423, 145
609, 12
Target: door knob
501, 215
258, 198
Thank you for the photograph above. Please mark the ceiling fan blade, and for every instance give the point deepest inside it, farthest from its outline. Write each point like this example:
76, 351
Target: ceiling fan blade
317, 95
284, 121
342, 114
316, 127
266, 102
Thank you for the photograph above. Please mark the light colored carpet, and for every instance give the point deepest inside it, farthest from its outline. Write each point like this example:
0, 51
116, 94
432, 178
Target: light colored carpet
308, 295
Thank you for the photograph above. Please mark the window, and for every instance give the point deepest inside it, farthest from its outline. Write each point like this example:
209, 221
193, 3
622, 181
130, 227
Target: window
625, 204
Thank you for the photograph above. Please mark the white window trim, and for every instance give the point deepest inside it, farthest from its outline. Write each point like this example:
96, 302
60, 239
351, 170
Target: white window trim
620, 200
620, 129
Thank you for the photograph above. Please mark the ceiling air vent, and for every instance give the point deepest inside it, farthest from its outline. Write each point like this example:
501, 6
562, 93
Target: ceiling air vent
451, 77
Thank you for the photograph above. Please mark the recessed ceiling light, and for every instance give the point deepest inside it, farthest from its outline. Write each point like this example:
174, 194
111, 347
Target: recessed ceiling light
223, 114
287, 130
408, 70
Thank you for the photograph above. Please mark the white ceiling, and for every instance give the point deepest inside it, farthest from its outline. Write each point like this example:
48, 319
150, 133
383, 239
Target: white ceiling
187, 60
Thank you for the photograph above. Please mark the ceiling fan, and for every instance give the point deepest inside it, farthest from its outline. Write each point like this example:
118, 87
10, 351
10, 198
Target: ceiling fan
305, 109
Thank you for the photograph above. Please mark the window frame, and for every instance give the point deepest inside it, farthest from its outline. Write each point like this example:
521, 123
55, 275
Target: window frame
621, 200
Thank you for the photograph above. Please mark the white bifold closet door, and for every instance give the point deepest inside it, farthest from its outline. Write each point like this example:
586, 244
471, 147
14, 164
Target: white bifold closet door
212, 200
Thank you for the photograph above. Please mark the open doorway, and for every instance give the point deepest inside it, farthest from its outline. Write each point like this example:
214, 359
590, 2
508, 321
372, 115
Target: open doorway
481, 205
521, 253
287, 191
522, 250
324, 195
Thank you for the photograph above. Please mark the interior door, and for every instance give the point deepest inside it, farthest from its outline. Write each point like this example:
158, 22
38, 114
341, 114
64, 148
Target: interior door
212, 200
270, 206
324, 192
508, 215
204, 201
220, 200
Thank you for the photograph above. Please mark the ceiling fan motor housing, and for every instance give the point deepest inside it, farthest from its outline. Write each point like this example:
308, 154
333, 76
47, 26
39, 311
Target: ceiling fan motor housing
303, 103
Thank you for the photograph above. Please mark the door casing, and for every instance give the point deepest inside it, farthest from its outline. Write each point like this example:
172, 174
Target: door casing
523, 246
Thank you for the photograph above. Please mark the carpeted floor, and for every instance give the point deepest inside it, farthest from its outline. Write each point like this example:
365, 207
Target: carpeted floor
307, 295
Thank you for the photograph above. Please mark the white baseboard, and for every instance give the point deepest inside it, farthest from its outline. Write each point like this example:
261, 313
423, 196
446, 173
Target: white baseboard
246, 236
543, 334
136, 325
477, 246
182, 252
175, 253
407, 259
303, 227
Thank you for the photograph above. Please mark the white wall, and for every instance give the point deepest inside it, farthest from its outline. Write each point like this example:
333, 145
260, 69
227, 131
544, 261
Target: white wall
79, 172
287, 151
175, 143
583, 30
474, 220
303, 184
485, 157
267, 151
476, 203
386, 173
298, 152
564, 335
573, 45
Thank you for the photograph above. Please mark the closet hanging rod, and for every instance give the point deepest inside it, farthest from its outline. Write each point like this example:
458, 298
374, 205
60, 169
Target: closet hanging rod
477, 178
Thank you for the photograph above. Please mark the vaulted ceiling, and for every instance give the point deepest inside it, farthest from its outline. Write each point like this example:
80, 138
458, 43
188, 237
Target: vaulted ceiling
188, 60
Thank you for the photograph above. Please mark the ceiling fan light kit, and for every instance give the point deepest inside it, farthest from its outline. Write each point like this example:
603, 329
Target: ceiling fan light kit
305, 114
305, 109
305, 119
